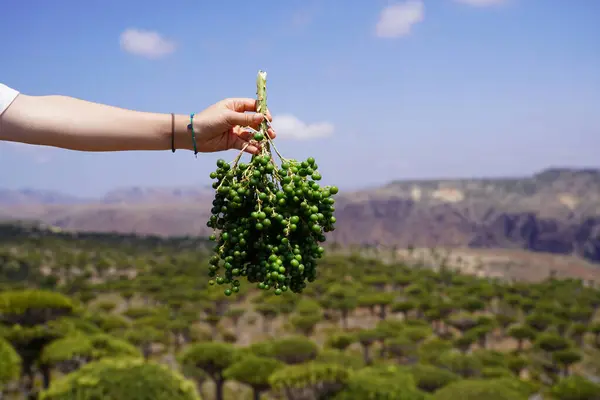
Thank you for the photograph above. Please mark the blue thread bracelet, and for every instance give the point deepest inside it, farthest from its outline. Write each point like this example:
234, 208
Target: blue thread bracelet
191, 128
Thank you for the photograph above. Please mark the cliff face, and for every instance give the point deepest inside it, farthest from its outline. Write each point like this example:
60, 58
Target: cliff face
556, 211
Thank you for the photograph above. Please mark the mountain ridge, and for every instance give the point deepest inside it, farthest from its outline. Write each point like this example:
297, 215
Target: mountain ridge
556, 210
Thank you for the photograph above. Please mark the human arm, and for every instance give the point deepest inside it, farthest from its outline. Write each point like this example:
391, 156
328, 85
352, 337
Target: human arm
70, 123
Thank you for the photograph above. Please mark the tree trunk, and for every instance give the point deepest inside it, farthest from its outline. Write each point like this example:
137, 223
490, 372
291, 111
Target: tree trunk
146, 350
27, 381
176, 342
483, 341
219, 383
289, 394
345, 319
382, 313
255, 394
366, 354
45, 370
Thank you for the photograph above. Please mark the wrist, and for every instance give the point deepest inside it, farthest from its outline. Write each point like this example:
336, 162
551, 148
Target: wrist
179, 135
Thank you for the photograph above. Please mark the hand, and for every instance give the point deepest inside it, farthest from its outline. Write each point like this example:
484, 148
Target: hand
222, 126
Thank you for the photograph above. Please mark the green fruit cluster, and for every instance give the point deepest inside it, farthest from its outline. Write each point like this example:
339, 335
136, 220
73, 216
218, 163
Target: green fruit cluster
269, 220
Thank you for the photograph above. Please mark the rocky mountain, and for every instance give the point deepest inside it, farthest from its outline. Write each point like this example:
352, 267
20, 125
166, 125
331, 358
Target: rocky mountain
555, 211
137, 195
35, 197
126, 195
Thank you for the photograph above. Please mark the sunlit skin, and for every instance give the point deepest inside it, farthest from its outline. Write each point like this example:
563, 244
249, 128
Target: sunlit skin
222, 125
70, 123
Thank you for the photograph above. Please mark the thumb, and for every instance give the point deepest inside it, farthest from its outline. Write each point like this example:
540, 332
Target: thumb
244, 119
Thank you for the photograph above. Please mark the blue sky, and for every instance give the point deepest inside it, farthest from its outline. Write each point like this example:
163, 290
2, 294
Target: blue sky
386, 89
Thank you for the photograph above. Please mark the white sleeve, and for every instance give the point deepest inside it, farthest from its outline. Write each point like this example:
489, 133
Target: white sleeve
7, 96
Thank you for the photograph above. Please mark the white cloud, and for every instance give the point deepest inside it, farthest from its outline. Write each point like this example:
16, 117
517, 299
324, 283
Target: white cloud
398, 19
481, 3
289, 127
146, 43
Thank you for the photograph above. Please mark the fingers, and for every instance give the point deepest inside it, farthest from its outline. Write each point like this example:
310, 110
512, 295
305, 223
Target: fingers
243, 119
243, 145
246, 119
240, 114
243, 134
244, 104
247, 134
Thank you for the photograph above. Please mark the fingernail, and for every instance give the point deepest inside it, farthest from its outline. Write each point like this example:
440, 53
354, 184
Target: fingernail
258, 117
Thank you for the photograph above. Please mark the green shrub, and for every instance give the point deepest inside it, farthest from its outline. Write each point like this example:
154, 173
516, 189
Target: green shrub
340, 340
305, 324
516, 363
10, 362
478, 390
109, 346
400, 347
262, 349
551, 342
253, 371
349, 360
429, 378
390, 328
527, 388
491, 358
83, 324
496, 372
119, 379
431, 350
575, 387
465, 365
74, 348
381, 383
213, 358
417, 333
307, 306
294, 349
19, 301
110, 322
310, 379
84, 348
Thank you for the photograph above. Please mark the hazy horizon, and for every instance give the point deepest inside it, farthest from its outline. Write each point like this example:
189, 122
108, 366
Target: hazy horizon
358, 186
